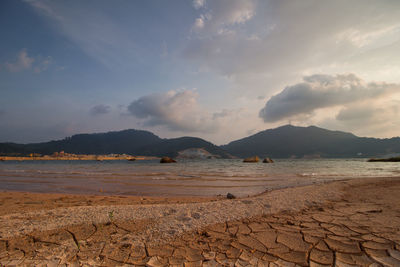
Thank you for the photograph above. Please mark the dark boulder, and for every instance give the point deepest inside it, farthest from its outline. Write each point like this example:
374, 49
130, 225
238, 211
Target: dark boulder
394, 159
167, 160
268, 160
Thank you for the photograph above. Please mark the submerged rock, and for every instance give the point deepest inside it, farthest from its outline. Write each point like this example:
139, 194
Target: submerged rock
230, 196
167, 160
252, 159
395, 159
268, 160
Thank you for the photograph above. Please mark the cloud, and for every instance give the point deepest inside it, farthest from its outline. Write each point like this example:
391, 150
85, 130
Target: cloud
322, 91
43, 65
219, 16
199, 23
369, 118
100, 109
358, 113
23, 62
176, 110
264, 43
197, 4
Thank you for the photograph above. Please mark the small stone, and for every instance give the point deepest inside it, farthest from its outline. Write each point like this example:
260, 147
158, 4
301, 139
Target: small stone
230, 196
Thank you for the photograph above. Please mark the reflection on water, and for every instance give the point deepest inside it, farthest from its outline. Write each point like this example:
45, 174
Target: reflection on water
200, 178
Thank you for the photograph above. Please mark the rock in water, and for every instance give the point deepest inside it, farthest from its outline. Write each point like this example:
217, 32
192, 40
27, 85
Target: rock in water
167, 160
251, 159
268, 160
230, 196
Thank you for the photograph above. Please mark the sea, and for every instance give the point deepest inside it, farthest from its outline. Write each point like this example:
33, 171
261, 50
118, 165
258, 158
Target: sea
210, 177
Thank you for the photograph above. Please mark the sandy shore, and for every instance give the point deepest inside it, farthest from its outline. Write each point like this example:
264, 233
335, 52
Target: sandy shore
341, 223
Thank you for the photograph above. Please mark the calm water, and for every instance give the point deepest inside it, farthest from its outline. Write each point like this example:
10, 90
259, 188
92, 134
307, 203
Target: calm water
200, 178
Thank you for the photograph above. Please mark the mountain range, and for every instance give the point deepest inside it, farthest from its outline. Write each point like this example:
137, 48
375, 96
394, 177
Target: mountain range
282, 142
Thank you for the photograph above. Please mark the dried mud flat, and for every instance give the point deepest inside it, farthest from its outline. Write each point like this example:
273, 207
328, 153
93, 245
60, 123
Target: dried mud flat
345, 223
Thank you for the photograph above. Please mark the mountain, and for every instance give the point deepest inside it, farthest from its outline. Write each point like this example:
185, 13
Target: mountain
291, 141
134, 142
282, 142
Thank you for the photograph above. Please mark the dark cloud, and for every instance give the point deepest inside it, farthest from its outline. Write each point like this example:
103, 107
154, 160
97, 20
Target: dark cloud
177, 110
321, 91
100, 109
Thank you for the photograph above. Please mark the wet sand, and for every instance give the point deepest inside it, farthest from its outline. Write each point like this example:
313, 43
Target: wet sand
355, 222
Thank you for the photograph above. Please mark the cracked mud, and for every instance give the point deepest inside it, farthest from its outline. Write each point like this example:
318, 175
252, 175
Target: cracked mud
358, 226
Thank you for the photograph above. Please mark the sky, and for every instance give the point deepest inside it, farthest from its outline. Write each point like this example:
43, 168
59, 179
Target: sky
215, 69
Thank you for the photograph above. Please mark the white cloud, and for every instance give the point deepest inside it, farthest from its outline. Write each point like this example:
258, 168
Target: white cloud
23, 62
197, 4
199, 23
322, 91
219, 16
271, 42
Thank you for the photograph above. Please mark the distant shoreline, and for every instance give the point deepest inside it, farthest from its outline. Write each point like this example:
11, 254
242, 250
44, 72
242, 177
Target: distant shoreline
76, 158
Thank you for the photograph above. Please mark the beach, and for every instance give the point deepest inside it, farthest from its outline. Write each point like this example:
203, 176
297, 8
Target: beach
348, 222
